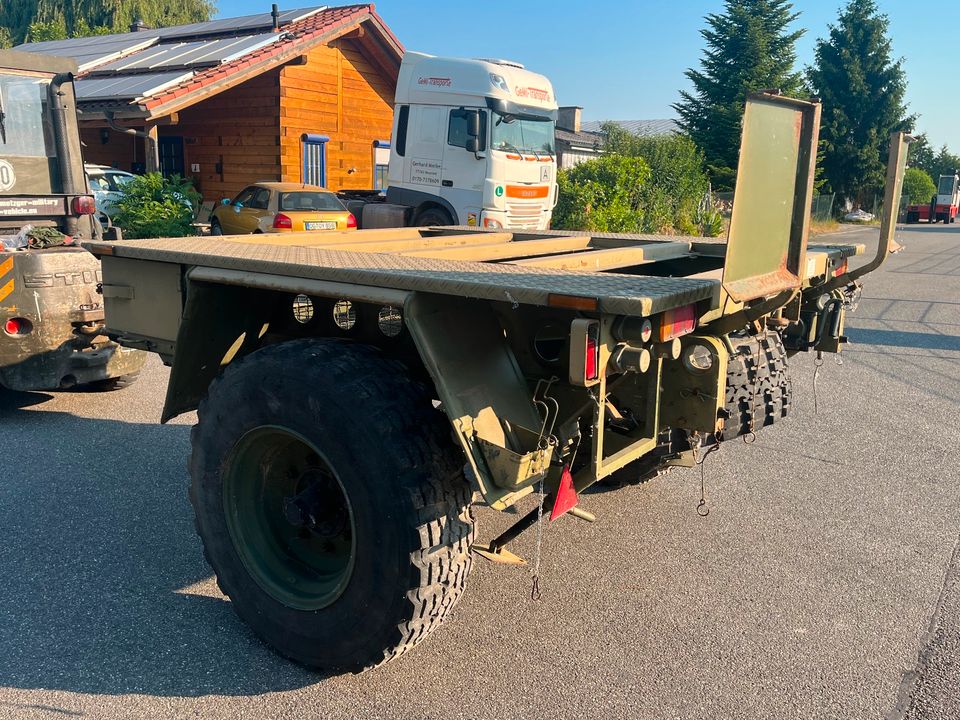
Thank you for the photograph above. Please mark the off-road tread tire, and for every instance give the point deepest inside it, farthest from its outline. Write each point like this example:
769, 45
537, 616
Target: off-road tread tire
431, 501
759, 391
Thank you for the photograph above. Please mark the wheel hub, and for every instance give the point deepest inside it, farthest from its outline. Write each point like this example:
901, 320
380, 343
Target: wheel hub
319, 507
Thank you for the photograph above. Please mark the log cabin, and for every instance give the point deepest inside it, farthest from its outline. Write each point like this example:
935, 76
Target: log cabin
299, 96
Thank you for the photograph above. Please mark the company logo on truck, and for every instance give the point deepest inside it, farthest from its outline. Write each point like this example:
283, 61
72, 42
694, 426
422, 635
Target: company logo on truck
533, 93
46, 280
435, 81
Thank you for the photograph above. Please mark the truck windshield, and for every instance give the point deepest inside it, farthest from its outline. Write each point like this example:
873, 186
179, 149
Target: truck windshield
522, 135
946, 185
27, 141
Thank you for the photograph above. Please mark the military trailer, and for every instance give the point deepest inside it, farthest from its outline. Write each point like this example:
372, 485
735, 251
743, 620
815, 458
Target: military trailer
50, 308
359, 392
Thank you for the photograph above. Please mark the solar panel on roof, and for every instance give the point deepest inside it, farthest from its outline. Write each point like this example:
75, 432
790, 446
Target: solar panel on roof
125, 87
237, 24
191, 54
92, 51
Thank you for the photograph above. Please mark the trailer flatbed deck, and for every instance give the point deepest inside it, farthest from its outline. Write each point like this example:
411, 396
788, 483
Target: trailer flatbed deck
465, 262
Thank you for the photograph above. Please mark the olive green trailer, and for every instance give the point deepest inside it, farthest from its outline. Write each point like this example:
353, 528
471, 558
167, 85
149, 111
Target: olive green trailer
358, 392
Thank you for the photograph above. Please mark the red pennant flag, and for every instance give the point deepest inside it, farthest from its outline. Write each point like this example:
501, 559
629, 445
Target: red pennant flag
566, 494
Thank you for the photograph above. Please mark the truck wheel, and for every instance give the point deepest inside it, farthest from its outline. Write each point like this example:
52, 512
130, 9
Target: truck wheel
331, 502
433, 216
758, 385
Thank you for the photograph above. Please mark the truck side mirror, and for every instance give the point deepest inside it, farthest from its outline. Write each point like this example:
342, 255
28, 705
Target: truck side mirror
473, 145
473, 124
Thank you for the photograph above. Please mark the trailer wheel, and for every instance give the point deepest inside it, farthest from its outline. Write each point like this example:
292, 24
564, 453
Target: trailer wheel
331, 502
759, 391
433, 216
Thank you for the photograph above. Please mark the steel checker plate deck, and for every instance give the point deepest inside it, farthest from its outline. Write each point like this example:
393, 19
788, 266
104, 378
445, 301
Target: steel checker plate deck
617, 293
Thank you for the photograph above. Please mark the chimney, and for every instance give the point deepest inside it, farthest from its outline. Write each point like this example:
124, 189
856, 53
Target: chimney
568, 118
139, 25
275, 14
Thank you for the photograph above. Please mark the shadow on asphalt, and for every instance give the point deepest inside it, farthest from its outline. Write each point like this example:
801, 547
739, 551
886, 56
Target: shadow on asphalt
898, 338
96, 540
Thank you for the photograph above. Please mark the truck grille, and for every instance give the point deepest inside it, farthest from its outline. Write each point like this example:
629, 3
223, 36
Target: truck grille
524, 215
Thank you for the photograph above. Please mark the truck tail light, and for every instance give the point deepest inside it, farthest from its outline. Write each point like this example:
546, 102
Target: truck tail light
351, 221
585, 365
678, 321
592, 357
17, 327
84, 205
282, 222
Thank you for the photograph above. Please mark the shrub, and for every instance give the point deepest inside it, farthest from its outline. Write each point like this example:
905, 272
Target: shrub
603, 194
154, 206
918, 186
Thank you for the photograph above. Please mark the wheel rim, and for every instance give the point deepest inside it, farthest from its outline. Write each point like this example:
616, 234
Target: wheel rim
289, 518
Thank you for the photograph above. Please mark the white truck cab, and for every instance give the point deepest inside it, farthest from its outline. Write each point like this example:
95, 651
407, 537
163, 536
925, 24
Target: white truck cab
473, 143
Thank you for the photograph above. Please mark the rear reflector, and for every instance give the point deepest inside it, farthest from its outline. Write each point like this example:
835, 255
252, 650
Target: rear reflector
84, 205
841, 268
572, 302
677, 322
566, 495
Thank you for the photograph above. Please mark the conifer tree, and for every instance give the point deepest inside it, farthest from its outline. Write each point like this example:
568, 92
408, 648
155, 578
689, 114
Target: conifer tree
862, 89
749, 47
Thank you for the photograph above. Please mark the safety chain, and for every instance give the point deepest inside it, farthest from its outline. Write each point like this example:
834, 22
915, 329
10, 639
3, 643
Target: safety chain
702, 509
535, 593
817, 364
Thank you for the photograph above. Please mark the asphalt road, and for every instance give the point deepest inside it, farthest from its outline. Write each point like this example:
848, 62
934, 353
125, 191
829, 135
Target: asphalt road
823, 584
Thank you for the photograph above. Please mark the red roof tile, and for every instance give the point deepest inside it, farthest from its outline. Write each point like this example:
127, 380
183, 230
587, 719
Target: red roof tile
324, 23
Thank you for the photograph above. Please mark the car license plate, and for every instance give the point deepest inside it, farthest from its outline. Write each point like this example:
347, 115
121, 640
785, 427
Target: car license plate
320, 225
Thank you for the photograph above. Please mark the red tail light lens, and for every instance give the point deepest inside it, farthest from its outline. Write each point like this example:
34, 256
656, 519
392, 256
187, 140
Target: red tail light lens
591, 365
351, 221
84, 205
282, 222
17, 326
677, 322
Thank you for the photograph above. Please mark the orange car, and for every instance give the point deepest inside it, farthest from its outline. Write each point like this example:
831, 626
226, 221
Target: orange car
281, 207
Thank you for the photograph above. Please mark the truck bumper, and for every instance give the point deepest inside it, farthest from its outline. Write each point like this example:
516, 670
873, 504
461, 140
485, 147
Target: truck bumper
53, 294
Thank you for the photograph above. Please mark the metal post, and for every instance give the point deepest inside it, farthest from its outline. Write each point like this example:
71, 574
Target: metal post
152, 149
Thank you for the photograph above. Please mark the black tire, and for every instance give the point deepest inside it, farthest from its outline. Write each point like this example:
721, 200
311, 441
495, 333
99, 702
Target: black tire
215, 228
433, 216
759, 391
912, 218
394, 458
111, 384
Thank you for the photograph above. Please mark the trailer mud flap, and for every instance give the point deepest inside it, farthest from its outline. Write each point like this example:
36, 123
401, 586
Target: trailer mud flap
483, 393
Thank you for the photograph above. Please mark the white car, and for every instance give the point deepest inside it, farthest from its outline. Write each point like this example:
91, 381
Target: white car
105, 183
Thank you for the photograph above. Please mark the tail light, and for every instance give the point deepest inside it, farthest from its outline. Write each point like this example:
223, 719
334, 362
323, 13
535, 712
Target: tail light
84, 205
585, 352
17, 327
678, 321
351, 221
282, 222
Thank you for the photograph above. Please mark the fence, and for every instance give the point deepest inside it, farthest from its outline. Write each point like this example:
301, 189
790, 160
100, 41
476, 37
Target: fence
821, 207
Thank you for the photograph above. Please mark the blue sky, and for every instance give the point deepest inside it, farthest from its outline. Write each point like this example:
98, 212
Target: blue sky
625, 60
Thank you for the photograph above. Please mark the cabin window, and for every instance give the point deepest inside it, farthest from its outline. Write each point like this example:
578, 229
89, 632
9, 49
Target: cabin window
403, 118
381, 164
314, 159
